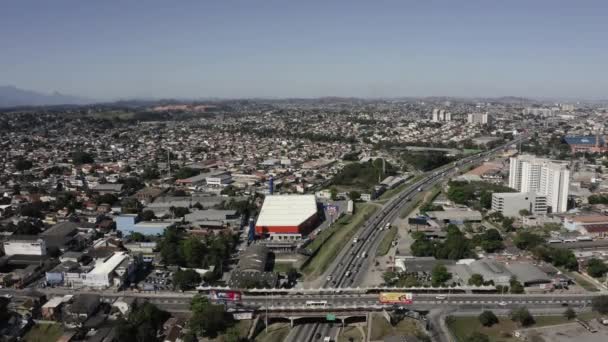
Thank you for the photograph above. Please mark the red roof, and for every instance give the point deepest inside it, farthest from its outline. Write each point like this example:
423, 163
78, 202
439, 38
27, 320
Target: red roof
596, 228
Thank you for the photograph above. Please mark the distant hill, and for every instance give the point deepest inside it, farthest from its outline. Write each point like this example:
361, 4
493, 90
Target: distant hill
11, 96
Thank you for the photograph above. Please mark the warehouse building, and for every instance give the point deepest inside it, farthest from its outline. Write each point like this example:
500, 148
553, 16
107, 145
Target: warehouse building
287, 217
24, 245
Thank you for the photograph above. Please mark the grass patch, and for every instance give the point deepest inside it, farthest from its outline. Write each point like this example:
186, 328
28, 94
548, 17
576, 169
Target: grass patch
339, 236
462, 327
276, 333
582, 282
407, 209
351, 332
381, 328
44, 333
385, 244
388, 194
281, 267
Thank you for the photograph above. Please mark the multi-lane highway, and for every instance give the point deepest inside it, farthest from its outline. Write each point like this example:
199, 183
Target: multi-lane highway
355, 260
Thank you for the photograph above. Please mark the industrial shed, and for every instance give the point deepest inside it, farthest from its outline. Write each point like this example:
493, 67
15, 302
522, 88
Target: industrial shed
287, 214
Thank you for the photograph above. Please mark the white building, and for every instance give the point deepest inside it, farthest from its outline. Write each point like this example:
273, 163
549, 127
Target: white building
24, 246
510, 203
478, 118
219, 179
441, 115
103, 274
542, 176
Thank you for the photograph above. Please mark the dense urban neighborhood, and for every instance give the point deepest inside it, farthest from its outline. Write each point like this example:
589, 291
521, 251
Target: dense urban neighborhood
176, 221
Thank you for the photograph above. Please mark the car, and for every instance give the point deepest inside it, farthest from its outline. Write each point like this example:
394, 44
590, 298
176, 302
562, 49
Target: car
329, 278
503, 303
440, 297
318, 336
327, 339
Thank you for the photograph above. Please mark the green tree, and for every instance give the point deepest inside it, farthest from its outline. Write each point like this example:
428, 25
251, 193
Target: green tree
440, 275
193, 251
22, 164
185, 172
487, 318
526, 240
80, 157
150, 173
106, 198
147, 215
179, 211
208, 319
507, 224
569, 314
186, 280
600, 304
476, 279
516, 286
524, 212
131, 205
137, 237
143, 324
333, 193
354, 195
522, 316
596, 268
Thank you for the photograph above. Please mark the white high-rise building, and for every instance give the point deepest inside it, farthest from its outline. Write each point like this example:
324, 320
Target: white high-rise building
441, 115
541, 176
478, 118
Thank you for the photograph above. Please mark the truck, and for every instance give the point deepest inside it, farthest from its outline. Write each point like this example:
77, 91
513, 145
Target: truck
584, 238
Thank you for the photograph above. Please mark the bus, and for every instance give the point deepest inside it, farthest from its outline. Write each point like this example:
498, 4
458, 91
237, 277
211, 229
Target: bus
316, 304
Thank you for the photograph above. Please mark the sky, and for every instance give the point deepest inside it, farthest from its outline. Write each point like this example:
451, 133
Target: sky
264, 48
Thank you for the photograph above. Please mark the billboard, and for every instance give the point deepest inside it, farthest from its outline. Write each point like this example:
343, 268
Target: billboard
242, 315
396, 298
230, 296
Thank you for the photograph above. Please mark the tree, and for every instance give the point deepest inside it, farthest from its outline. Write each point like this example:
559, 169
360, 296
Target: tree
186, 280
333, 193
507, 224
179, 211
516, 286
150, 173
292, 275
207, 319
185, 172
477, 337
354, 195
229, 191
440, 275
487, 318
143, 324
106, 198
476, 279
193, 251
600, 304
137, 237
80, 157
147, 215
522, 316
131, 206
22, 164
524, 212
569, 314
596, 268
527, 240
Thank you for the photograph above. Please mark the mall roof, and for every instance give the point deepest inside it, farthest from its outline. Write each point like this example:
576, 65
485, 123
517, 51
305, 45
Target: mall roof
286, 210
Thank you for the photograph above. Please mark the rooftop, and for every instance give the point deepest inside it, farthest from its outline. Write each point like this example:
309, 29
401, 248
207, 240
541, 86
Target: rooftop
110, 264
286, 210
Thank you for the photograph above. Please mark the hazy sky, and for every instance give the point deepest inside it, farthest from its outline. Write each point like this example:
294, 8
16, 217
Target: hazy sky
120, 49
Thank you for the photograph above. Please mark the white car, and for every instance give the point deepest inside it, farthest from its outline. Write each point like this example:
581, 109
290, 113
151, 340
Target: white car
440, 297
503, 303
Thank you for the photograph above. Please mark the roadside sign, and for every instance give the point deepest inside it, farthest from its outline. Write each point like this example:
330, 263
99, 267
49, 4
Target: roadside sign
330, 317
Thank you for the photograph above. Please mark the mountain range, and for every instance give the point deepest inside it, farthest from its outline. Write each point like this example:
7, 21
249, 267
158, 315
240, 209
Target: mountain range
11, 96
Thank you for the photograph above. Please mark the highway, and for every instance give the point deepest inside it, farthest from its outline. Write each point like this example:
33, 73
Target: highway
351, 264
355, 260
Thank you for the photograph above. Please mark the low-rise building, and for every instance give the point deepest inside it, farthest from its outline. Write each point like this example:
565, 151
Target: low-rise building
510, 203
24, 245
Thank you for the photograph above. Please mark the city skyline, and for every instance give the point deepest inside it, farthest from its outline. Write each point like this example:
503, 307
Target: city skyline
201, 50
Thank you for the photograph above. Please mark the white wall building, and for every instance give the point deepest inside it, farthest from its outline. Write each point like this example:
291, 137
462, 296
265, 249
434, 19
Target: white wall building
478, 118
510, 203
441, 115
542, 176
104, 272
24, 246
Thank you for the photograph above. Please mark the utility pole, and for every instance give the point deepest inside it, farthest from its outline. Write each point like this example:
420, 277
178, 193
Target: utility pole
169, 162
